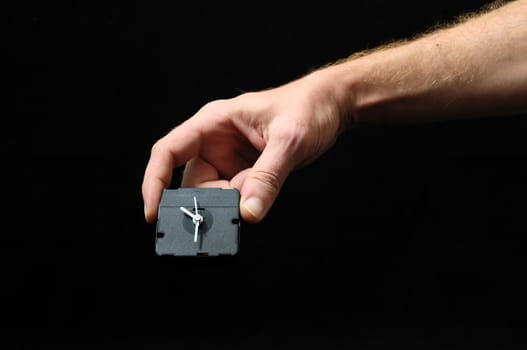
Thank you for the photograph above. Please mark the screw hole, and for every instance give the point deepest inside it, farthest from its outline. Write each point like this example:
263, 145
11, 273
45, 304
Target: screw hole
235, 221
160, 234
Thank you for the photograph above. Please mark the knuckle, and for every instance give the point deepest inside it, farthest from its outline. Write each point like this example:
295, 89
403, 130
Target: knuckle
269, 180
157, 147
212, 107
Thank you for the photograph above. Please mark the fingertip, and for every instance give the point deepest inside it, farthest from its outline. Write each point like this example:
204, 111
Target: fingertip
252, 209
150, 214
151, 196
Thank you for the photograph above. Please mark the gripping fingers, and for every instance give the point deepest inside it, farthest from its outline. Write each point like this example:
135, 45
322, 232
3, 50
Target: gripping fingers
173, 150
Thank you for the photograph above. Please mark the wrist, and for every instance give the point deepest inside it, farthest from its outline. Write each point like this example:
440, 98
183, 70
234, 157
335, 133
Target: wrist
338, 84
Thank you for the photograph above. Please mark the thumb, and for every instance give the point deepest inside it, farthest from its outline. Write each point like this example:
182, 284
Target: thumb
263, 182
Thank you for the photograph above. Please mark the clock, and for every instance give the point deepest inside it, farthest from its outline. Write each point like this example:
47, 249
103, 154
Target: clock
198, 222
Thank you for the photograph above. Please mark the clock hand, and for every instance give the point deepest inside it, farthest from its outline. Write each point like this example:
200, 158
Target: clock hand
198, 219
196, 229
188, 212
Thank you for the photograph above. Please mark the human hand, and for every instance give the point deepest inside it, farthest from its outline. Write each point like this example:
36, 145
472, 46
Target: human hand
251, 142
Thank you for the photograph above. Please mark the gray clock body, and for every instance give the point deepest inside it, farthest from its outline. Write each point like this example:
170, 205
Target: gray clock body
218, 233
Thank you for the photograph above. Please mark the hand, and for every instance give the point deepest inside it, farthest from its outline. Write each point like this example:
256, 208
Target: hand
251, 142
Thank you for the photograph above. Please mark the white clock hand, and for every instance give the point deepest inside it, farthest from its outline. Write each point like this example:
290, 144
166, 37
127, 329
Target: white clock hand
188, 212
196, 229
197, 219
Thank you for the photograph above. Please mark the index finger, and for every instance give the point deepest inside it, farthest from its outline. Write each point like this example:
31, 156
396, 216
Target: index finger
173, 150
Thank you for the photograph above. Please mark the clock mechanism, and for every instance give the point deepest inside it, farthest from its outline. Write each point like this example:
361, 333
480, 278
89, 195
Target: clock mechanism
198, 222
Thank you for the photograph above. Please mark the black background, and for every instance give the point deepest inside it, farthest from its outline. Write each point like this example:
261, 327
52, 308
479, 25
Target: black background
426, 249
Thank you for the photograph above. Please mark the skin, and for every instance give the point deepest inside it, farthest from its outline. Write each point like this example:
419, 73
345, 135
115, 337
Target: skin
252, 142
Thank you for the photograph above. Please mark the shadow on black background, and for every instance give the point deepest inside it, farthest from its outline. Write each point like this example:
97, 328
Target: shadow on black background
426, 248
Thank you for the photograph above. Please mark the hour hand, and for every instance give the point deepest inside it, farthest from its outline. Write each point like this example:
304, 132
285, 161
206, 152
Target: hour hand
188, 212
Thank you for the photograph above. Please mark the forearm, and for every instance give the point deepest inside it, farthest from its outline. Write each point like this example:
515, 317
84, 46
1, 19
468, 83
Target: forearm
475, 68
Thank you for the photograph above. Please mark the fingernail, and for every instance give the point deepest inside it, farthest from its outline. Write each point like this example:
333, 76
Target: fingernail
146, 213
254, 206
